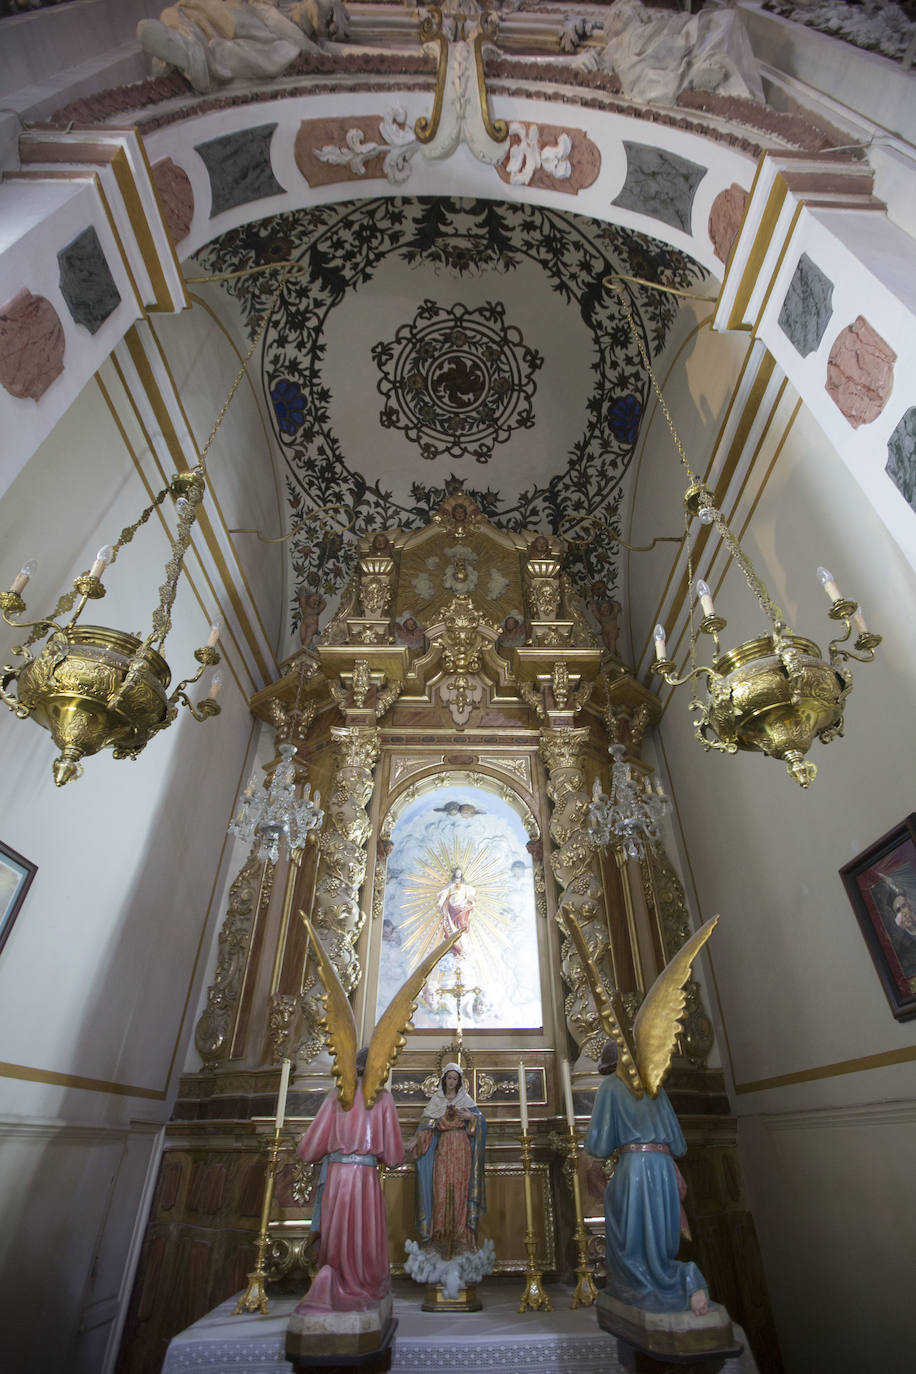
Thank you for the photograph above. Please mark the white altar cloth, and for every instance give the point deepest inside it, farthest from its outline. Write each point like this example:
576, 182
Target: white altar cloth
498, 1339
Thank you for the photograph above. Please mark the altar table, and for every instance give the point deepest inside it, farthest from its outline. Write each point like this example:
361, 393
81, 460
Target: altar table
498, 1339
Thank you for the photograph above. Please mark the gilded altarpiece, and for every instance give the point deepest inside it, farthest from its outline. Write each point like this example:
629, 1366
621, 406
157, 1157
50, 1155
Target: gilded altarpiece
455, 712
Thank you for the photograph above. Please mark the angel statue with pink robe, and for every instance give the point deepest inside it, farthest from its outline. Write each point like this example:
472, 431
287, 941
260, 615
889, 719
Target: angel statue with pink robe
355, 1130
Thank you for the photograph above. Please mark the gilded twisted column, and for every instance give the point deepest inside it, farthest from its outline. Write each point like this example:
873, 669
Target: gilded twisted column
576, 871
342, 846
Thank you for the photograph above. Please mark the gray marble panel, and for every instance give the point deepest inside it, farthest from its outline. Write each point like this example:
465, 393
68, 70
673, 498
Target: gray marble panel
86, 283
901, 457
239, 168
659, 184
807, 308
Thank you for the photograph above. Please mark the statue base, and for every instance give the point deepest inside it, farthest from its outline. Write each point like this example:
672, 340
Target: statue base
672, 1338
436, 1301
326, 1340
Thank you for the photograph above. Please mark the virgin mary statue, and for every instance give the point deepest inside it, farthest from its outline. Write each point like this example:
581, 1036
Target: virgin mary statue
449, 1146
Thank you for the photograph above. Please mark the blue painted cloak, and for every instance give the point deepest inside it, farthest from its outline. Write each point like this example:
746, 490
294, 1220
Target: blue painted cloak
641, 1203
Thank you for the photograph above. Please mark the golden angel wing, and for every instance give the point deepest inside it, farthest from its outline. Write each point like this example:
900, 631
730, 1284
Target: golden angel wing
338, 1023
659, 1018
626, 1066
388, 1037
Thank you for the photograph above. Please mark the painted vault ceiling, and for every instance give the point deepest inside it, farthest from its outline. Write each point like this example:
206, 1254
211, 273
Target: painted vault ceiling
439, 343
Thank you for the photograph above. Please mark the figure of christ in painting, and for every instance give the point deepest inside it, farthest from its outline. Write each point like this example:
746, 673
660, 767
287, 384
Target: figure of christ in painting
449, 1146
456, 902
349, 1213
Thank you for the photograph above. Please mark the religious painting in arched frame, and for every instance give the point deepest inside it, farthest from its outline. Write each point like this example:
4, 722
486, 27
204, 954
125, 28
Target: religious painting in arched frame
459, 863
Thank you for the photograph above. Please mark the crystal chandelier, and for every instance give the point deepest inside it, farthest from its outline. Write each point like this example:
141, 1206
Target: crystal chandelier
631, 815
775, 693
269, 813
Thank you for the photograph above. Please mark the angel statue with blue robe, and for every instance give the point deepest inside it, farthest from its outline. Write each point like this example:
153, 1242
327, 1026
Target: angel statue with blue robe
633, 1119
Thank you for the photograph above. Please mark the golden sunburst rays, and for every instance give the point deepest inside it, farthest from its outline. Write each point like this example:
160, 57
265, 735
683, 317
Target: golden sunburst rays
485, 868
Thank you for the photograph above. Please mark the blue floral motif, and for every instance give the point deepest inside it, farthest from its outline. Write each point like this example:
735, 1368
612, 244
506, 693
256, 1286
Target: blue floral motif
289, 404
623, 418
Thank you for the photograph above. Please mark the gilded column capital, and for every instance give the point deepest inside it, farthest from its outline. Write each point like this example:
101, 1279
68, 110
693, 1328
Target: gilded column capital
357, 745
563, 748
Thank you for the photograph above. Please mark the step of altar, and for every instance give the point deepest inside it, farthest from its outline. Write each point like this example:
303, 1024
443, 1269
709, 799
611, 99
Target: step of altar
499, 1339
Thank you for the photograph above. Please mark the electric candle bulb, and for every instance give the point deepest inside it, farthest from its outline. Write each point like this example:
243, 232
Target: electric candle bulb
102, 559
215, 630
830, 587
859, 621
705, 596
21, 579
661, 642
216, 685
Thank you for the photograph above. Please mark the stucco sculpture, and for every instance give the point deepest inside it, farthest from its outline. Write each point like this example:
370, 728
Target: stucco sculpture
216, 41
656, 54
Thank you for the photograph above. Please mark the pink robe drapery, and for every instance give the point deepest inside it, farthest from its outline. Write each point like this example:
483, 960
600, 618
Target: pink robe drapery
353, 1245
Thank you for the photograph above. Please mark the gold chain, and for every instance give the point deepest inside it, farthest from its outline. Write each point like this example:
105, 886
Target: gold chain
755, 583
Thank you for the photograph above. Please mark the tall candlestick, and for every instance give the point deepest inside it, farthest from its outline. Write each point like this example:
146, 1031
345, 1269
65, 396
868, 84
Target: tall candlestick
284, 1089
523, 1096
566, 1076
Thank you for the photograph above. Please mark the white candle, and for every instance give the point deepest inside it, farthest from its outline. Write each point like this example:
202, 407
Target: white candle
284, 1089
21, 579
859, 621
661, 642
213, 636
830, 587
102, 559
705, 596
523, 1097
566, 1076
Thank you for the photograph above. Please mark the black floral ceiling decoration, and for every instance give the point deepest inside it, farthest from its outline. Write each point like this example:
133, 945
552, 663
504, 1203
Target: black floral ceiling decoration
436, 344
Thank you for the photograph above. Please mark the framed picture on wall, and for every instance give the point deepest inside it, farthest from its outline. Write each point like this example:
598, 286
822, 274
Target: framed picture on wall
16, 874
881, 884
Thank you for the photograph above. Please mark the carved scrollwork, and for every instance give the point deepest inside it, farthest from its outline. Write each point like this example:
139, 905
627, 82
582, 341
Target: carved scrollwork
664, 889
214, 1028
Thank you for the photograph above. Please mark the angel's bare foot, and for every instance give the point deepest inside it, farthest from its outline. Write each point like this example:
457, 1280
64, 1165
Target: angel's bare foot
699, 1303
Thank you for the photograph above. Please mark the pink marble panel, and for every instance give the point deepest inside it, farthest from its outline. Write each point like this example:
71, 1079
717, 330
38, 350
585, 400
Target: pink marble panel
176, 195
314, 134
584, 159
725, 216
31, 345
860, 372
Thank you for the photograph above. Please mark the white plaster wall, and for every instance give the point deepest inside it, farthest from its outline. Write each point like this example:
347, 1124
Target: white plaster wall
101, 971
827, 1156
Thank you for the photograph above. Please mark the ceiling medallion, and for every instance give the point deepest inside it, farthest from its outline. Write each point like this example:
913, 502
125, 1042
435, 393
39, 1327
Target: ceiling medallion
457, 381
